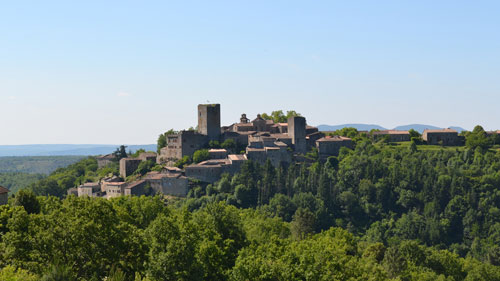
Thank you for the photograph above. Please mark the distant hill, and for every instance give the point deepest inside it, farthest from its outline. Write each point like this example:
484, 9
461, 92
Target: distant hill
359, 127
66, 149
458, 129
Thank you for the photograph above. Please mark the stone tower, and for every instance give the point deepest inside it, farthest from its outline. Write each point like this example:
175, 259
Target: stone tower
297, 131
209, 120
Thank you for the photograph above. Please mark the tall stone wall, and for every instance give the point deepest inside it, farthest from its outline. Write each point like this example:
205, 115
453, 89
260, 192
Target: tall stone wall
297, 131
128, 166
4, 198
209, 120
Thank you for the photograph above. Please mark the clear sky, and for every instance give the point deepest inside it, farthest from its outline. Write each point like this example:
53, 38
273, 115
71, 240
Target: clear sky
113, 72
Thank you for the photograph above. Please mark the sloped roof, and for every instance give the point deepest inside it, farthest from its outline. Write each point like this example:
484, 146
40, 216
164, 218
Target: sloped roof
334, 138
391, 132
448, 130
3, 190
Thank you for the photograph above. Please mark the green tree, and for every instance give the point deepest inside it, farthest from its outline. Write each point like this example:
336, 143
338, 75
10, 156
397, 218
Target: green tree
477, 138
27, 199
120, 152
201, 155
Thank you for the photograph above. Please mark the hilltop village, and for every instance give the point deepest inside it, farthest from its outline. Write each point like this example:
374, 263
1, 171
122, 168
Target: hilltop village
262, 140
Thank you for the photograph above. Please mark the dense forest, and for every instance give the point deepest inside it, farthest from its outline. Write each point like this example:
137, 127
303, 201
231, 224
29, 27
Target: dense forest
21, 171
35, 164
380, 211
16, 181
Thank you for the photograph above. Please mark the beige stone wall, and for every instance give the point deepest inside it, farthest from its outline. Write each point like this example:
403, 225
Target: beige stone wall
4, 198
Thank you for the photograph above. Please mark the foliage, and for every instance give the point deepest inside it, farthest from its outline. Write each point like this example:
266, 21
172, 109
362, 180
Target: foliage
120, 152
478, 138
10, 273
134, 238
201, 155
279, 117
186, 160
36, 164
16, 181
27, 199
62, 179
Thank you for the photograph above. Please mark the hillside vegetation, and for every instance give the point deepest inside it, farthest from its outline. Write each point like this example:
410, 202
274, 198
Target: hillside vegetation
35, 164
140, 238
380, 211
16, 181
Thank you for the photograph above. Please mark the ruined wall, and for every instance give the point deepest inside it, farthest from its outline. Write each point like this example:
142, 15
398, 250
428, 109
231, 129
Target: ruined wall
128, 166
103, 162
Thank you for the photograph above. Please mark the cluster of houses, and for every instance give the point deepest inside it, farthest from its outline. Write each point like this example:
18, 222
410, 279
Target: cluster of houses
265, 140
446, 137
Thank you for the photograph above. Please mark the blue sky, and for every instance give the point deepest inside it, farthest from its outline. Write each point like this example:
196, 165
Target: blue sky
125, 71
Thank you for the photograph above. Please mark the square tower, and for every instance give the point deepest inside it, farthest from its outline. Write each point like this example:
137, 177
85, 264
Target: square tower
209, 120
297, 131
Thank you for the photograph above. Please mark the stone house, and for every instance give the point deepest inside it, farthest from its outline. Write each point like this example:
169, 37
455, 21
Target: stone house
446, 137
90, 189
105, 160
174, 184
137, 188
4, 195
211, 170
113, 189
217, 153
330, 146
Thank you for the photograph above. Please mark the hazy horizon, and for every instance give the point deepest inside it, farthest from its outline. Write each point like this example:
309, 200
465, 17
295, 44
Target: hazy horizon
123, 72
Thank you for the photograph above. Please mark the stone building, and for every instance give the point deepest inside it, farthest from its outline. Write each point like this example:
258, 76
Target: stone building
297, 131
267, 147
137, 188
295, 135
393, 135
312, 138
211, 170
330, 146
147, 156
90, 189
209, 120
174, 184
182, 144
128, 166
187, 142
4, 195
105, 160
446, 137
207, 171
113, 189
217, 153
